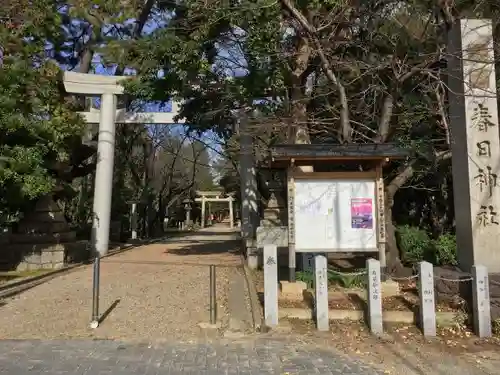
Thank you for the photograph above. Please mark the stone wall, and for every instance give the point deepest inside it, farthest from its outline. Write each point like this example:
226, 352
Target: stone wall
28, 256
43, 240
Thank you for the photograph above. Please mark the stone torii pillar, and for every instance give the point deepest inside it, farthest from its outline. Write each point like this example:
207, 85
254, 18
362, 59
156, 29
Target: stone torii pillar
107, 87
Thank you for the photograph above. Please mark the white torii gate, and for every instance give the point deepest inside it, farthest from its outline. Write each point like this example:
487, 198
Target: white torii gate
215, 196
108, 87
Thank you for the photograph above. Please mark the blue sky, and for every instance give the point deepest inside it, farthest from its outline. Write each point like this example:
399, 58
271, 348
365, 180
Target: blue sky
209, 138
229, 57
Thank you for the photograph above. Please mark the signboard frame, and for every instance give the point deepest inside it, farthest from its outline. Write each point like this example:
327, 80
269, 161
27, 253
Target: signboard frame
377, 201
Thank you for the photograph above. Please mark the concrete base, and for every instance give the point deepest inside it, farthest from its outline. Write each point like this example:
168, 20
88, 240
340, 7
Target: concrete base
443, 318
293, 291
253, 259
206, 325
390, 288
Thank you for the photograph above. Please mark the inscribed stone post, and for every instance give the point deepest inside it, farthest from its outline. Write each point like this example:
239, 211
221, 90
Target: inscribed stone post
321, 291
271, 285
374, 296
475, 143
481, 301
427, 300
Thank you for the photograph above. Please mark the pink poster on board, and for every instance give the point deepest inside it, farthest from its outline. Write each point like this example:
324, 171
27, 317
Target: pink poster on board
361, 213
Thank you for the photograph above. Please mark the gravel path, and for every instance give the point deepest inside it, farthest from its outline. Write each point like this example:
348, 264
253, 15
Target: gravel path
158, 301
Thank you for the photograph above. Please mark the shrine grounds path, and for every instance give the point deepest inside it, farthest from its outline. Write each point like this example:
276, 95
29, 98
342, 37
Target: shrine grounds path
157, 291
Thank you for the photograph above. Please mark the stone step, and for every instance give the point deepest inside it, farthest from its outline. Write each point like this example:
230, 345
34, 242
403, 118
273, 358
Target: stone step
272, 222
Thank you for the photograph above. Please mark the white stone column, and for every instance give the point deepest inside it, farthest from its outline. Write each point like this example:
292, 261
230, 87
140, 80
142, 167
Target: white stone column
103, 189
321, 291
133, 220
231, 214
203, 212
475, 142
271, 285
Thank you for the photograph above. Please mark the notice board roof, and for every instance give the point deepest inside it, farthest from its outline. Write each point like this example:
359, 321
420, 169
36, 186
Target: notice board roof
356, 151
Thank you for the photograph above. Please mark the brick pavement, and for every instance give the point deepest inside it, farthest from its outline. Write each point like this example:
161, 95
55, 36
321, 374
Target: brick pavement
262, 356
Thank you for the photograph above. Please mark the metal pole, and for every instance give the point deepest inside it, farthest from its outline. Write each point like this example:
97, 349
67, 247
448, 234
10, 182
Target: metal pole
213, 297
95, 292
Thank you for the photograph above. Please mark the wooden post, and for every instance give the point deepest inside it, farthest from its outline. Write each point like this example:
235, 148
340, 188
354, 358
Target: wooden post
380, 205
291, 226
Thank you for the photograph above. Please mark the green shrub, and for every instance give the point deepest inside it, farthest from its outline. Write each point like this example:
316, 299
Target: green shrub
334, 277
444, 250
347, 280
305, 276
495, 325
414, 244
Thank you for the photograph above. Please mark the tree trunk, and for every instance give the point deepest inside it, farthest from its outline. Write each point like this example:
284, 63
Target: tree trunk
393, 260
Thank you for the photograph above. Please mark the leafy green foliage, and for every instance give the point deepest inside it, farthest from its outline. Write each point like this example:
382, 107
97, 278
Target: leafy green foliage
38, 126
414, 243
345, 280
445, 250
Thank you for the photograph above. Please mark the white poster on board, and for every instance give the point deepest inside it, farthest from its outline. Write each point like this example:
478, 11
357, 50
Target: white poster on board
335, 215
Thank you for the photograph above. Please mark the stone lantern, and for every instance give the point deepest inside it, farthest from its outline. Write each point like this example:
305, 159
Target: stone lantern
187, 208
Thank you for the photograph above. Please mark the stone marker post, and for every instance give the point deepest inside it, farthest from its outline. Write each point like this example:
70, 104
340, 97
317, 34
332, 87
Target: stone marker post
231, 213
321, 291
481, 301
202, 212
475, 142
374, 297
271, 285
427, 300
133, 220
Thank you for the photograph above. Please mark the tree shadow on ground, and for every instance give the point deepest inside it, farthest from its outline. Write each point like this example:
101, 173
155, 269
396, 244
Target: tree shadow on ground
207, 248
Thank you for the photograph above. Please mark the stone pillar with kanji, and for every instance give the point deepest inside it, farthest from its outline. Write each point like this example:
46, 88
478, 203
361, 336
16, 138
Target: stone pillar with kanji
475, 143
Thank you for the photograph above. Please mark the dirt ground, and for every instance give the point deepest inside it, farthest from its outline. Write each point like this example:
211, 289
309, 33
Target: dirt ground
402, 350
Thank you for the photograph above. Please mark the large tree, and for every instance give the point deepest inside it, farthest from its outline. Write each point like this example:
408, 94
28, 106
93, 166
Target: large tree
38, 127
323, 71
